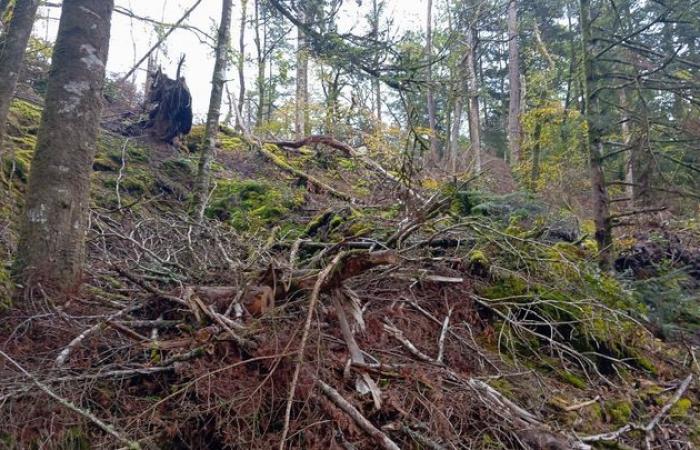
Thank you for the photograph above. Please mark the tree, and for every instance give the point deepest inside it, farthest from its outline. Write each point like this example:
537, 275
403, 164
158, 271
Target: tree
601, 212
301, 112
241, 63
377, 8
52, 238
432, 121
13, 44
514, 127
203, 181
473, 93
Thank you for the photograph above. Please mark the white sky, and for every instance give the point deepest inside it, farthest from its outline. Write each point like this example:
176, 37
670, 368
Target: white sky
407, 14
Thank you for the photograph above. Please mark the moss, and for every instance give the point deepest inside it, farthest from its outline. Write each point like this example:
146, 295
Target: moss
681, 409
250, 204
573, 379
508, 286
182, 169
135, 181
5, 287
24, 118
619, 411
230, 143
20, 163
646, 364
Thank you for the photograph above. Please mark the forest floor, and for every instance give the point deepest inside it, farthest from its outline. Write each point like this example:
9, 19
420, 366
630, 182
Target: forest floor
444, 315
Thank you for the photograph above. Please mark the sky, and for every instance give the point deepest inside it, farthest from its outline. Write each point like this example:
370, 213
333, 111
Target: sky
131, 39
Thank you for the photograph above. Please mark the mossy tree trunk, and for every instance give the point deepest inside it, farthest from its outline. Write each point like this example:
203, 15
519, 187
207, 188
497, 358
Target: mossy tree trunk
601, 208
52, 239
13, 44
203, 181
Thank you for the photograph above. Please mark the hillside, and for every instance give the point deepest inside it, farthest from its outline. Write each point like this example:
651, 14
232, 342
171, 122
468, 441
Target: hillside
447, 315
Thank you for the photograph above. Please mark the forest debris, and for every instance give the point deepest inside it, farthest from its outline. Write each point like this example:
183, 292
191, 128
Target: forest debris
315, 295
83, 412
381, 438
648, 428
65, 353
577, 406
348, 151
365, 384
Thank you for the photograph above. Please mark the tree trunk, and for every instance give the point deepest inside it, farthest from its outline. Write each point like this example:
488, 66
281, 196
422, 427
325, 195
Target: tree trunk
302, 94
630, 154
514, 128
473, 93
203, 181
52, 238
12, 48
454, 133
432, 122
601, 212
260, 80
376, 84
241, 64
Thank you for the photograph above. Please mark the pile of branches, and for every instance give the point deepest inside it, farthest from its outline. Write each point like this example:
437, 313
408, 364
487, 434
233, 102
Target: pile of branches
192, 335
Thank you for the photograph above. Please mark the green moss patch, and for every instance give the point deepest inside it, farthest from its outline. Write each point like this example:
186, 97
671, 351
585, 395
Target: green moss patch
251, 204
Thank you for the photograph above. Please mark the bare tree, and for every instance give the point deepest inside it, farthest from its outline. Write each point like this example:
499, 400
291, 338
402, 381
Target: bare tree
514, 127
52, 238
12, 49
203, 181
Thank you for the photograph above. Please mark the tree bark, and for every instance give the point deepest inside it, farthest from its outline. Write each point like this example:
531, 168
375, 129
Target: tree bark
13, 45
514, 128
302, 93
473, 93
260, 80
432, 122
454, 133
241, 63
203, 181
601, 211
376, 83
52, 238
630, 154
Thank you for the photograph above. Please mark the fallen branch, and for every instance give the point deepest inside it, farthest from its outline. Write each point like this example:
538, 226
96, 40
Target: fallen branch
349, 152
279, 162
315, 295
649, 428
381, 438
65, 353
66, 403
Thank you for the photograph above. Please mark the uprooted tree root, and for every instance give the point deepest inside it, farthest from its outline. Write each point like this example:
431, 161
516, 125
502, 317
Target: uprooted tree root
190, 335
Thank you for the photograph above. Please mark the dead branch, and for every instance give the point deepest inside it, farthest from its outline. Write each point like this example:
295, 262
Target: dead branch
348, 151
315, 295
65, 353
160, 41
83, 412
381, 438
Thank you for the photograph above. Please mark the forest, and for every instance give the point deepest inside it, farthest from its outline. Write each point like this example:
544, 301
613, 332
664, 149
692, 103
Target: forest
350, 224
